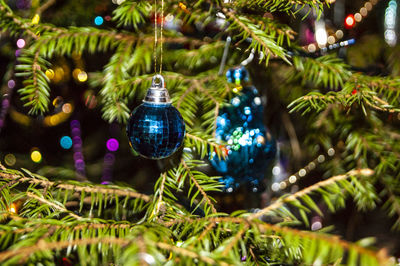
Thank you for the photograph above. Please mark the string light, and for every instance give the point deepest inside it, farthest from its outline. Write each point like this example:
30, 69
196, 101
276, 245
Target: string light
77, 145
276, 186
390, 23
349, 21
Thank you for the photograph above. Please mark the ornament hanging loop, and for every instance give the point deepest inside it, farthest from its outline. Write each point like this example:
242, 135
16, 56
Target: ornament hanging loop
157, 93
160, 83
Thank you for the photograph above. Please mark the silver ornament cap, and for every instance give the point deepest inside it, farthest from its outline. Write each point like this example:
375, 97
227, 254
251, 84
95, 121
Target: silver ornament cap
157, 93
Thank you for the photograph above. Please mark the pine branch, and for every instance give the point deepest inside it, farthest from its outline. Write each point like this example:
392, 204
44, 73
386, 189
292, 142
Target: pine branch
36, 91
42, 245
53, 205
187, 253
260, 40
203, 193
282, 5
307, 191
78, 187
9, 21
204, 146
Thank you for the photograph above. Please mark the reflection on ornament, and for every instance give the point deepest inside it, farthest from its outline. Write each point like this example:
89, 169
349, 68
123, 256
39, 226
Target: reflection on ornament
36, 156
155, 128
249, 147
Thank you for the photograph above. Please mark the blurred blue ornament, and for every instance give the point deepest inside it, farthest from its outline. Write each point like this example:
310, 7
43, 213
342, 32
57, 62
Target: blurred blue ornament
156, 128
250, 149
237, 75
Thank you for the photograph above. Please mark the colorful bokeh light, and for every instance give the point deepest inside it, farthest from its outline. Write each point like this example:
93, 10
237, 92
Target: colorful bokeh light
112, 144
66, 142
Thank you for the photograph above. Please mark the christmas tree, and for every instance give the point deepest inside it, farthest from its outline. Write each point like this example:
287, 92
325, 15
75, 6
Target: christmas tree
273, 127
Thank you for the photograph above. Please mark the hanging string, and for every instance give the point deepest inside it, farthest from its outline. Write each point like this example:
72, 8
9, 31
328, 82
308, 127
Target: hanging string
161, 35
155, 36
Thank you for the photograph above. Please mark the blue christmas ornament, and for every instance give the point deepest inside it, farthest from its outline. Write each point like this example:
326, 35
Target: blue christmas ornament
155, 128
250, 148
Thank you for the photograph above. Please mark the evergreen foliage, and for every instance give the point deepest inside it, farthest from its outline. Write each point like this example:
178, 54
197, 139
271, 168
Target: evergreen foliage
180, 224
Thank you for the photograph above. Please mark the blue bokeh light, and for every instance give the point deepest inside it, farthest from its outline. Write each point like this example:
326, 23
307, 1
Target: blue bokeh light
66, 142
98, 20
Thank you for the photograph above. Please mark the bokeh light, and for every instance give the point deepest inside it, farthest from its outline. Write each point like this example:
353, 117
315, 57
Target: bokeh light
36, 156
13, 208
10, 159
21, 43
98, 20
49, 73
349, 21
66, 142
82, 76
11, 84
112, 144
35, 19
67, 108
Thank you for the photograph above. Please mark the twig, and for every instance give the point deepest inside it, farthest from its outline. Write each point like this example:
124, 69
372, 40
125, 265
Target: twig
51, 204
77, 188
203, 193
185, 252
43, 245
277, 204
48, 4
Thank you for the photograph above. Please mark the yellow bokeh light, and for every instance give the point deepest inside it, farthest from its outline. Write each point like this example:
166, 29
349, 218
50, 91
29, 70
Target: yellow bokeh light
36, 19
36, 156
50, 73
339, 34
331, 39
312, 48
368, 6
10, 159
76, 72
363, 11
357, 17
13, 208
82, 76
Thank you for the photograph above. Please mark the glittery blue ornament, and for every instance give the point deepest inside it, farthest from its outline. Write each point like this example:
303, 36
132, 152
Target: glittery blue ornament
250, 148
155, 128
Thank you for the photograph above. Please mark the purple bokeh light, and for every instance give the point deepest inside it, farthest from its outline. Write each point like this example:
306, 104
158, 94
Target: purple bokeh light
112, 144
